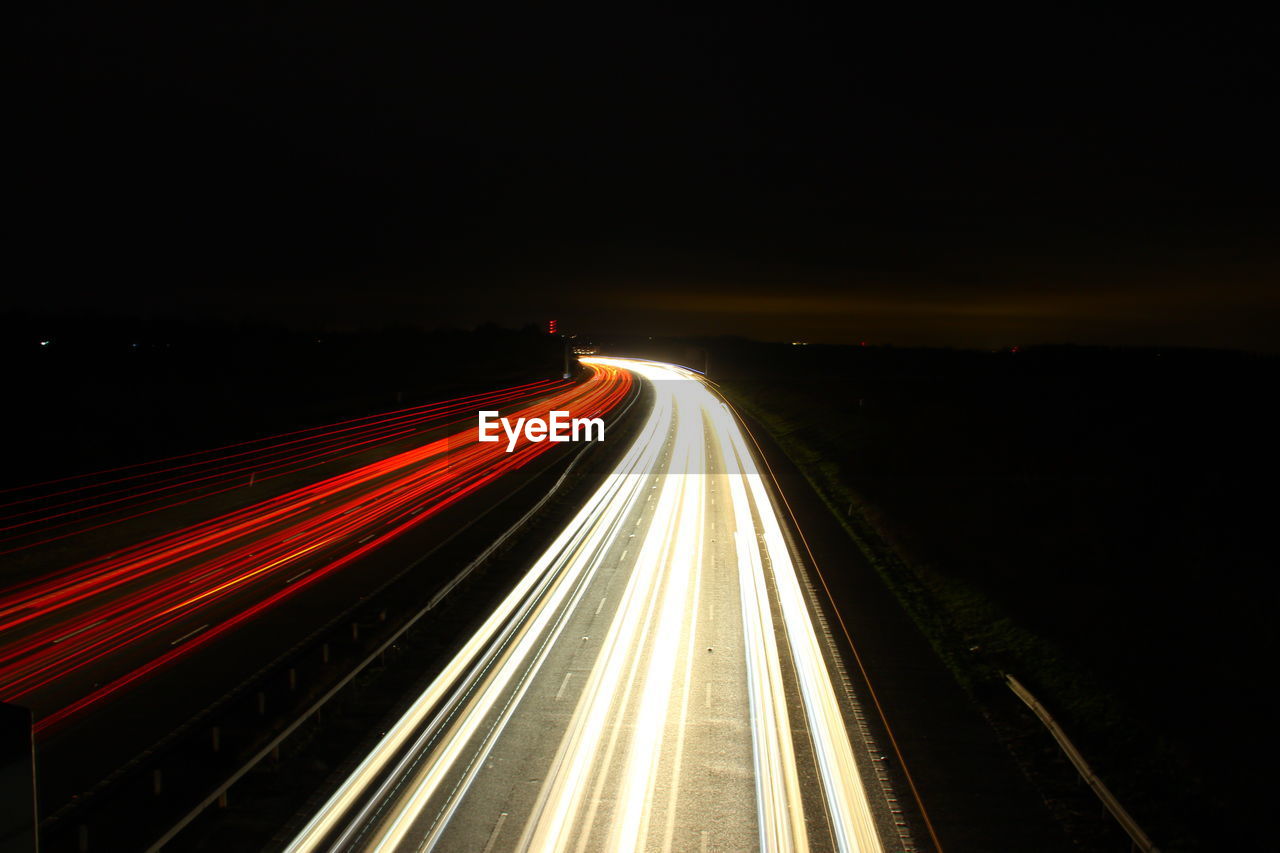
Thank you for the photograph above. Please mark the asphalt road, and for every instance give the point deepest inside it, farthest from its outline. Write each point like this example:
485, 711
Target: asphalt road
81, 636
125, 657
658, 679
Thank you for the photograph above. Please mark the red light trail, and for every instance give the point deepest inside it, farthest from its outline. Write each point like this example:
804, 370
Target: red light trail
67, 505
54, 626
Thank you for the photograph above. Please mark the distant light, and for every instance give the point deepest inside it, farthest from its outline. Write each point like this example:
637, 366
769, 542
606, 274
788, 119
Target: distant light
799, 343
551, 327
1013, 349
45, 343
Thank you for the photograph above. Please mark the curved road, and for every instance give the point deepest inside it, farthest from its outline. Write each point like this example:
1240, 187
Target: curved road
655, 681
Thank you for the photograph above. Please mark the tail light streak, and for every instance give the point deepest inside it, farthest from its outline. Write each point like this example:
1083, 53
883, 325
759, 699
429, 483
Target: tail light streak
54, 627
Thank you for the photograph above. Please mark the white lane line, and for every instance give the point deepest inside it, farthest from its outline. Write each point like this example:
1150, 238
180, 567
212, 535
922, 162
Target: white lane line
189, 635
77, 631
707, 701
563, 685
298, 575
702, 845
600, 606
497, 827
686, 689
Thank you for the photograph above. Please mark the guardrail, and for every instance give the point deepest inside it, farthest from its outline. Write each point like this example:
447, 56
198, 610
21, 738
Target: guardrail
1126, 821
221, 790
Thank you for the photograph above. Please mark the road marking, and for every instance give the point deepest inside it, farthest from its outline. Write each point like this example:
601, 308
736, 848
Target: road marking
366, 539
563, 808
190, 635
702, 845
298, 575
678, 758
73, 633
599, 607
563, 685
497, 827
205, 575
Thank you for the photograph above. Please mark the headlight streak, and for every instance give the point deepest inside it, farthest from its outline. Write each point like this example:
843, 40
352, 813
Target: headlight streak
850, 813
531, 640
604, 779
668, 557
683, 564
621, 488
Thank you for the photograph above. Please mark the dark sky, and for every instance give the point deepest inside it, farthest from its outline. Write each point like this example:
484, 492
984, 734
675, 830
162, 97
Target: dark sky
898, 173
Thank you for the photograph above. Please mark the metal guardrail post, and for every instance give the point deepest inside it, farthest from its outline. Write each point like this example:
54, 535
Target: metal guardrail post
1109, 801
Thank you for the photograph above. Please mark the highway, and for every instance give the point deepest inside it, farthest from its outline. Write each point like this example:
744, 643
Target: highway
655, 680
74, 638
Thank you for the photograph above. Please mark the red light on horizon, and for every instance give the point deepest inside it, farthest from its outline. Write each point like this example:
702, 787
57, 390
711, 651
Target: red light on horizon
551, 327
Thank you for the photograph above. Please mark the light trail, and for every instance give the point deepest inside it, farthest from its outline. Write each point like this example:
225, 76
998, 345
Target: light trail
619, 757
234, 567
46, 512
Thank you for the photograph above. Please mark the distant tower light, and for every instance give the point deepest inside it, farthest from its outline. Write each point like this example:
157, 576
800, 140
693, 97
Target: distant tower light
551, 327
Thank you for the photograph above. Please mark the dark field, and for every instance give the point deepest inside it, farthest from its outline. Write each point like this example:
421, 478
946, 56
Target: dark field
107, 391
1096, 522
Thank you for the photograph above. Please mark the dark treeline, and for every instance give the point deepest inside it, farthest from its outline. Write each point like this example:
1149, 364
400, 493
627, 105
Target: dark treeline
1098, 520
87, 391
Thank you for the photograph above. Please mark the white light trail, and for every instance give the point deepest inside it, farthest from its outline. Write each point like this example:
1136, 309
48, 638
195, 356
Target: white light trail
605, 786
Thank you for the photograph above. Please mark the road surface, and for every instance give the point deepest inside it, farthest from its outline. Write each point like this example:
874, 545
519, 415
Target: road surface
656, 680
75, 638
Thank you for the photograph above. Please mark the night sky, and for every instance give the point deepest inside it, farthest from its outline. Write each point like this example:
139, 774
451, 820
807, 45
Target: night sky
899, 173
